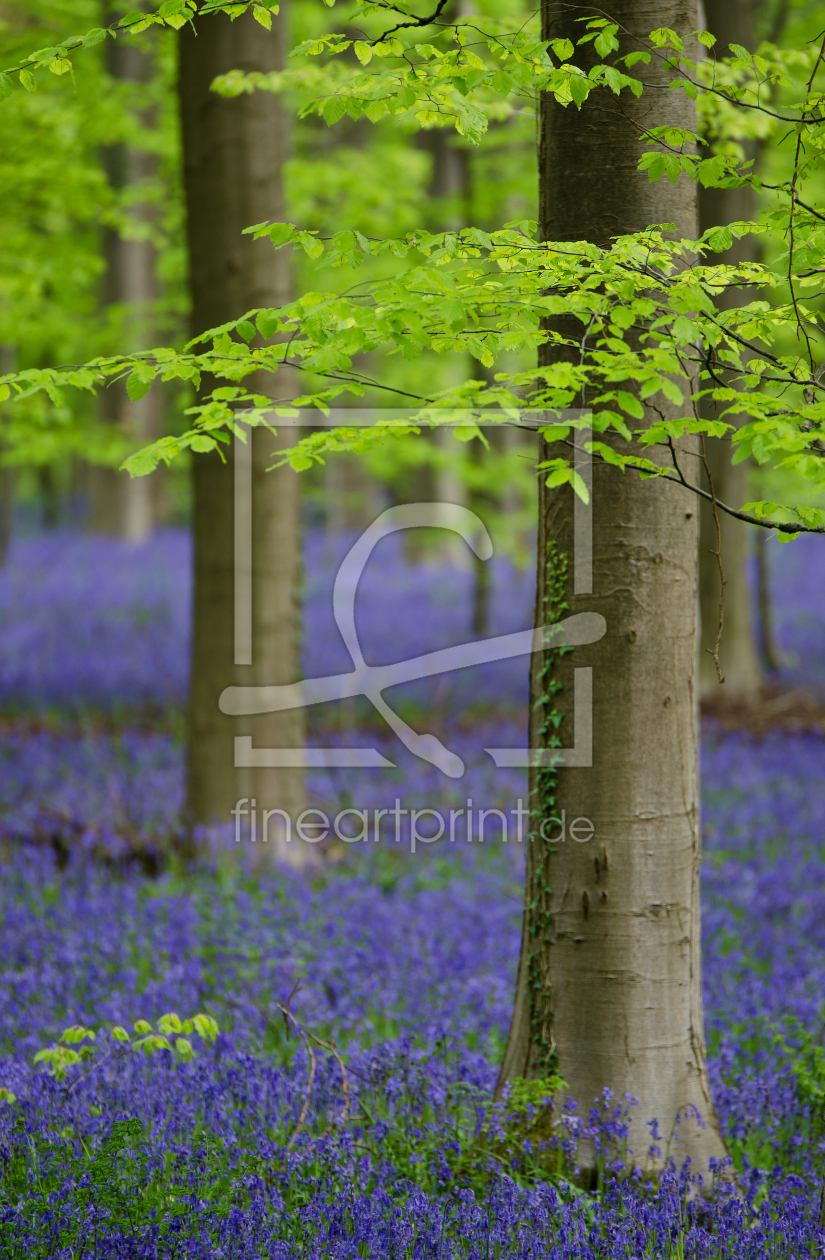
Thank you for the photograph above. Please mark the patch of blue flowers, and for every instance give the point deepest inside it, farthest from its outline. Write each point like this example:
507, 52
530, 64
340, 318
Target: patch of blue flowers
363, 1121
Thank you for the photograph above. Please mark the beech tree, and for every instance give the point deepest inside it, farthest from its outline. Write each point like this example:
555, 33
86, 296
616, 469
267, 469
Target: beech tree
609, 983
119, 504
622, 303
233, 156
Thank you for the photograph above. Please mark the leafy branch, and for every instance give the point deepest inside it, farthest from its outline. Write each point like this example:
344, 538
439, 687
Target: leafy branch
63, 1056
172, 13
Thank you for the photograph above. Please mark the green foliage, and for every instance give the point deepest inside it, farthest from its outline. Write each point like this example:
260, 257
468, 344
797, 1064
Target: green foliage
485, 69
58, 208
59, 1058
653, 339
519, 1136
172, 13
792, 1055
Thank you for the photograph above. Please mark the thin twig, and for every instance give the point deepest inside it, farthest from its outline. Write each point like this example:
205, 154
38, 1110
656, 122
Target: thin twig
417, 22
307, 1093
344, 1116
782, 527
306, 1034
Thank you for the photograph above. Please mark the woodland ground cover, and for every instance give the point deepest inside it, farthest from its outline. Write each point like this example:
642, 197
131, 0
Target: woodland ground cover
406, 964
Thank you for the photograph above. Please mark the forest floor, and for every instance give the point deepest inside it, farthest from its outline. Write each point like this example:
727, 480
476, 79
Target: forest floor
404, 963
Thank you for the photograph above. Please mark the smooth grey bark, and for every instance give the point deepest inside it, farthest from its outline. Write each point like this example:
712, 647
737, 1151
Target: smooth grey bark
120, 504
609, 982
731, 21
233, 153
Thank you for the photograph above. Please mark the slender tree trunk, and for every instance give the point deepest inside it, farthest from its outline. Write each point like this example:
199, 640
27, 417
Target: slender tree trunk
770, 651
120, 504
731, 21
609, 983
8, 362
351, 497
6, 512
233, 158
49, 496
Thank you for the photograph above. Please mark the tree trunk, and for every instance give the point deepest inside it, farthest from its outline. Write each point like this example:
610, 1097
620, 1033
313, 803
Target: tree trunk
48, 492
770, 651
233, 158
120, 504
8, 362
731, 21
609, 983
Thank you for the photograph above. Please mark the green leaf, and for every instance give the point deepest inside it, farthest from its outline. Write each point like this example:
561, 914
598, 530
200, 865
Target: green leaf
333, 110
280, 233
60, 65
203, 444
312, 247
268, 323
654, 164
672, 391
562, 48
246, 329
5, 86
137, 386
706, 38
363, 52
375, 110
93, 37
142, 462
579, 89
559, 477
719, 239
27, 80
579, 486
262, 16
300, 463
630, 404
606, 41
684, 330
